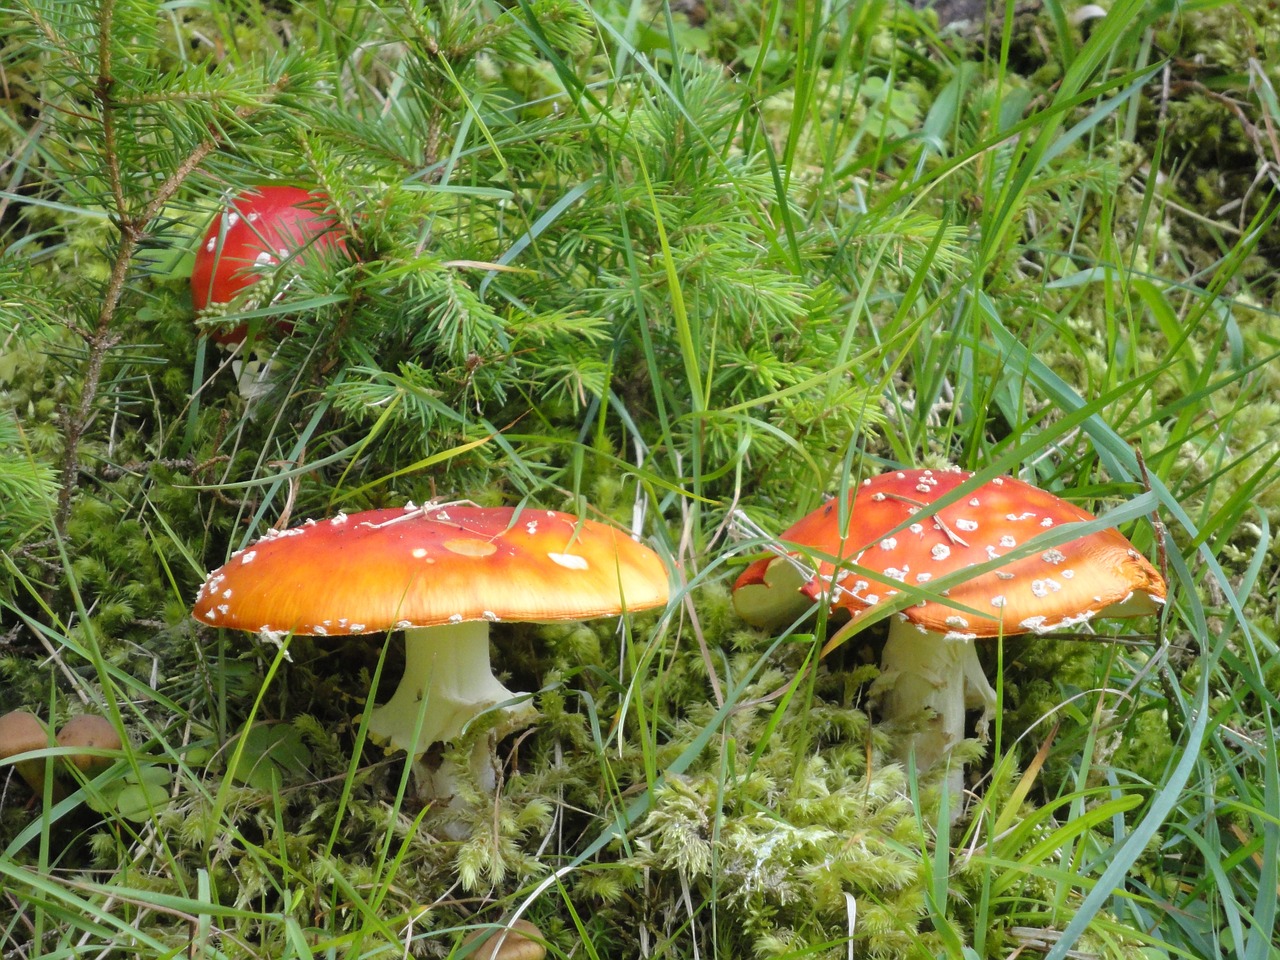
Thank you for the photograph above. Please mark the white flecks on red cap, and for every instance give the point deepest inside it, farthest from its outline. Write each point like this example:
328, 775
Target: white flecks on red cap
395, 568
1014, 514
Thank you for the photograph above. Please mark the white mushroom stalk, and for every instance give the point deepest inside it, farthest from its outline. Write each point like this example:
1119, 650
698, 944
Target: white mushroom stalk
937, 676
449, 682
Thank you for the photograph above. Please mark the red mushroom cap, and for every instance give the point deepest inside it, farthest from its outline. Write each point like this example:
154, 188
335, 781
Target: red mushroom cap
259, 228
416, 567
1097, 574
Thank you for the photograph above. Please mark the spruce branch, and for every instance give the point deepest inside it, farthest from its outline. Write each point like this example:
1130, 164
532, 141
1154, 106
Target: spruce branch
132, 227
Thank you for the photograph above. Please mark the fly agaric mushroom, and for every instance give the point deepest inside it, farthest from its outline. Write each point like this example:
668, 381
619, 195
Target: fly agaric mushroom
442, 574
260, 229
21, 732
929, 661
89, 731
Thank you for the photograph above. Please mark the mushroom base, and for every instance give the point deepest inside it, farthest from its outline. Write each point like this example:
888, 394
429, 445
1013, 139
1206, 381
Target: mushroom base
926, 671
448, 667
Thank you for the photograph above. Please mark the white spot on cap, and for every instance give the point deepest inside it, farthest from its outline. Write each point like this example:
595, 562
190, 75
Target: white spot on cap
319, 630
877, 497
973, 502
967, 525
1083, 617
338, 520
1066, 574
998, 601
232, 219
254, 217
1039, 588
209, 247
490, 616
1018, 517
531, 527
940, 551
923, 577
419, 552
570, 561
916, 528
956, 621
1052, 556
922, 487
1008, 541
1003, 575
400, 624
959, 636
1035, 624
893, 573
1047, 522
889, 543
900, 475
248, 555
470, 547
224, 608
226, 594
997, 481
456, 618
211, 614
264, 259
357, 628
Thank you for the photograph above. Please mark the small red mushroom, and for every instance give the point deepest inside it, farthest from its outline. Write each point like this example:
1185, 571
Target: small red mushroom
259, 230
895, 536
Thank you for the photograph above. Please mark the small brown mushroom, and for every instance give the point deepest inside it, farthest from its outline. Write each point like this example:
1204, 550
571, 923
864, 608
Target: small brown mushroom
21, 732
93, 732
521, 940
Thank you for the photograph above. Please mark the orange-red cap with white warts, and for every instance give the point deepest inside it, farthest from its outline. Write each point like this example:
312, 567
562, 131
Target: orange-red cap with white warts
391, 569
1099, 574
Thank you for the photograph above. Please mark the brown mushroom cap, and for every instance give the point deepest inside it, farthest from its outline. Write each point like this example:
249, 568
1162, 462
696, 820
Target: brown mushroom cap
1097, 574
523, 941
21, 732
415, 567
94, 732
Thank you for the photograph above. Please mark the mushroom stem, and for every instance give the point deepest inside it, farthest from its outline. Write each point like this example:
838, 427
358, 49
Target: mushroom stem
926, 670
448, 666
